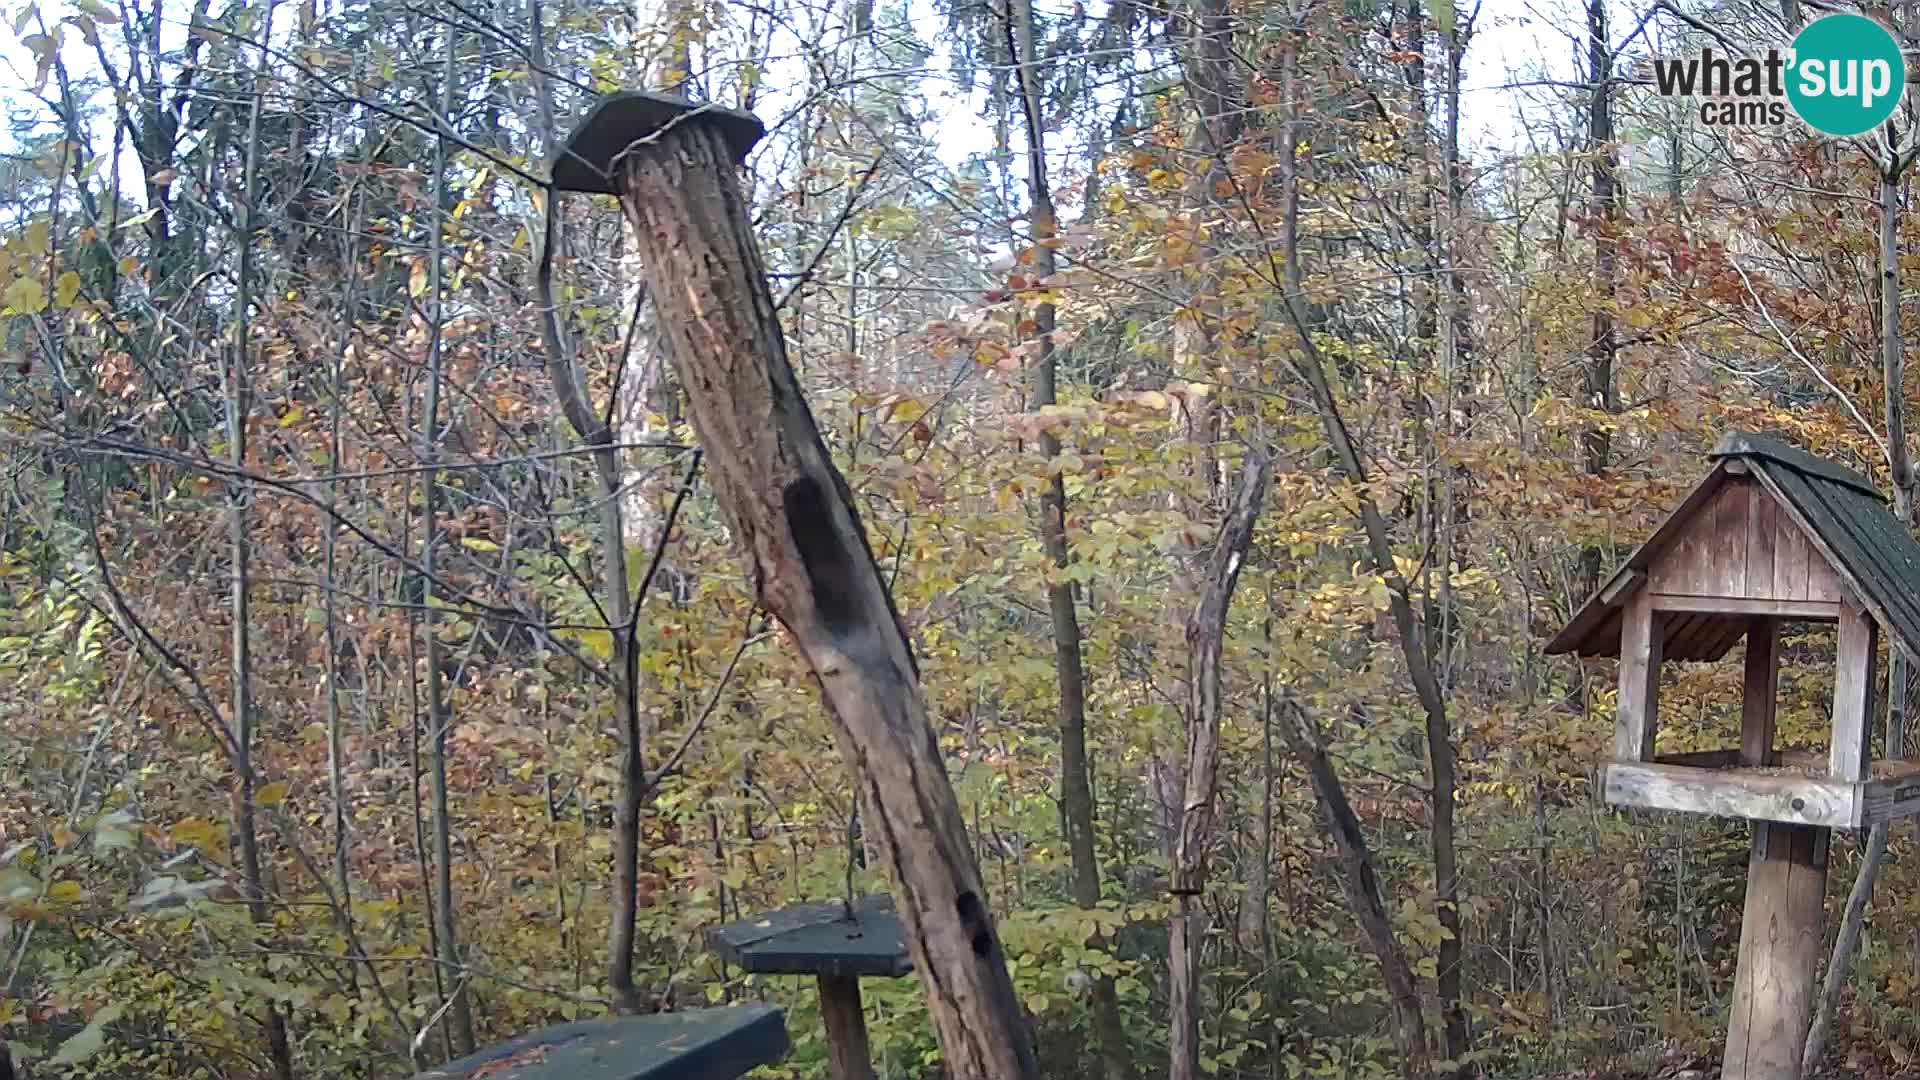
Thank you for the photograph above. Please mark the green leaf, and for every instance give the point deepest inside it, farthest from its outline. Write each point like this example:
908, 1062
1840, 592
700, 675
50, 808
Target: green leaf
88, 1040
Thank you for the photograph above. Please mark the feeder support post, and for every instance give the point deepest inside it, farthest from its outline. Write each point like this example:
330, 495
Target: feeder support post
848, 1057
1781, 935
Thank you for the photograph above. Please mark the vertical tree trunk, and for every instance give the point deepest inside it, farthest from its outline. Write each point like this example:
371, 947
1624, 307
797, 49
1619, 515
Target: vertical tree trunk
1596, 443
439, 710
617, 601
336, 412
1432, 321
239, 405
793, 513
1206, 640
1893, 360
1076, 788
1255, 910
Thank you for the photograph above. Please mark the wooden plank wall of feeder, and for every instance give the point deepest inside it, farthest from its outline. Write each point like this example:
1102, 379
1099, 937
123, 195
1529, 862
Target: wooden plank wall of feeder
1742, 546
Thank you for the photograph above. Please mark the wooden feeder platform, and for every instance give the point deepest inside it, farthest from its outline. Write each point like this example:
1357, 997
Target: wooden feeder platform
832, 938
1795, 790
698, 1044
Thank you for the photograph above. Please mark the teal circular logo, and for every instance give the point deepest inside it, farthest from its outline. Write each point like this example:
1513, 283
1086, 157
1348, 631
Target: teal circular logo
1847, 74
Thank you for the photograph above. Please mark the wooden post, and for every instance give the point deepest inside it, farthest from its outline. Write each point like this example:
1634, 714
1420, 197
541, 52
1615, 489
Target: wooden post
1780, 939
1847, 758
848, 1057
1639, 713
794, 517
1760, 691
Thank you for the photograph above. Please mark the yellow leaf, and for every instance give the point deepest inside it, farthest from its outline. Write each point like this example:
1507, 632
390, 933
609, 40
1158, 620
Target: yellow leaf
417, 281
271, 795
25, 297
197, 832
99, 11
63, 837
479, 543
64, 892
67, 289
293, 416
599, 642
39, 238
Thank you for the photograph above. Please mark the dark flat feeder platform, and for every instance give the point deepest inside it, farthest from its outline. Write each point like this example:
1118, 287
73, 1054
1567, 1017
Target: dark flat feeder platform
585, 162
699, 1044
819, 939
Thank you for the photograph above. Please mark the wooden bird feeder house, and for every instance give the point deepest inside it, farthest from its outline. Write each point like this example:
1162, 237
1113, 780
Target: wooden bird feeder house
837, 943
1772, 535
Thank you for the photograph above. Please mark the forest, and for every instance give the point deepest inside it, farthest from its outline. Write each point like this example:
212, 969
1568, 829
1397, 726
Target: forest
1236, 396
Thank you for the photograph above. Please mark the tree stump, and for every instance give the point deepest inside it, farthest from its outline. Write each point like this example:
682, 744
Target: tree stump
673, 164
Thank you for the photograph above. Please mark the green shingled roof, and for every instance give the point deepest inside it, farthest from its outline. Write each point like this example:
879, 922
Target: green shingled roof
1844, 516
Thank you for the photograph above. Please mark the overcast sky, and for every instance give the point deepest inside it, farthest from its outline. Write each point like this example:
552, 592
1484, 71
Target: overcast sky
1515, 42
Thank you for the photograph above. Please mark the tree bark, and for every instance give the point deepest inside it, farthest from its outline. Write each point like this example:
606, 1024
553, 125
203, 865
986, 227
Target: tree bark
1206, 640
794, 516
1076, 788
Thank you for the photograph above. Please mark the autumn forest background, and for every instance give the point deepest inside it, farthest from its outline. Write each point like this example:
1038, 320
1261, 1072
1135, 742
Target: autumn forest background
326, 626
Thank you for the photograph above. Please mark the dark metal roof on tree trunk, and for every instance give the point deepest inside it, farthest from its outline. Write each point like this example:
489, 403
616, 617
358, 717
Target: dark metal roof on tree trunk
1843, 515
589, 160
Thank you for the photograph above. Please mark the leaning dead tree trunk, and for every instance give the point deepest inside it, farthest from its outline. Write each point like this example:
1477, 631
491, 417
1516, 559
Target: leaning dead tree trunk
1361, 883
1206, 639
674, 167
